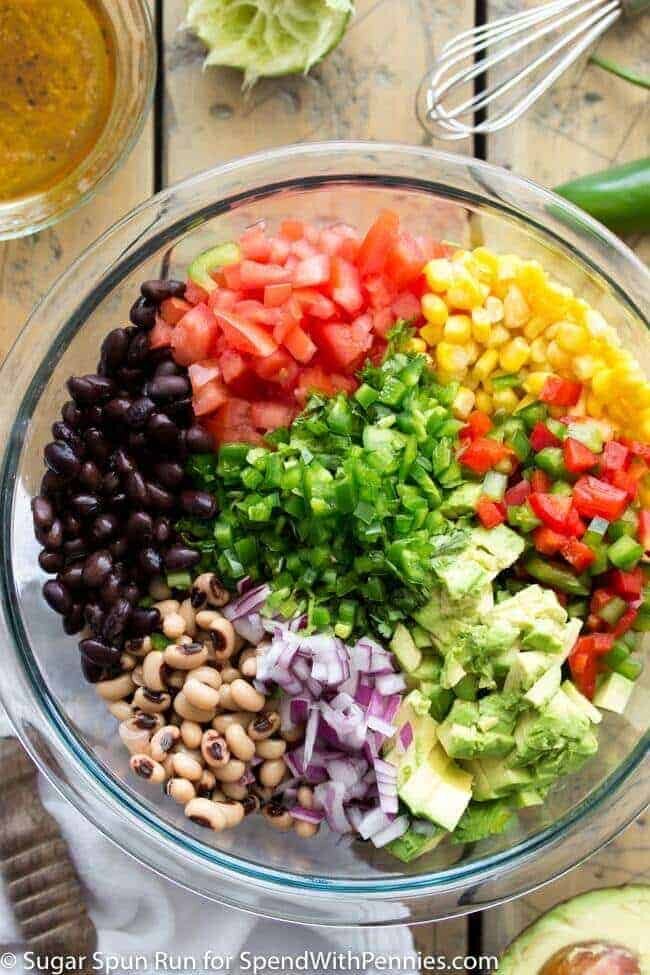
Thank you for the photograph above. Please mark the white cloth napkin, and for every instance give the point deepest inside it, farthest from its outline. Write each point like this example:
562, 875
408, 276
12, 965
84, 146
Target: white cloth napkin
136, 912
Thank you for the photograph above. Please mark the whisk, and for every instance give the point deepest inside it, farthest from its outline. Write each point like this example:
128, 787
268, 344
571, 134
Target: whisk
474, 53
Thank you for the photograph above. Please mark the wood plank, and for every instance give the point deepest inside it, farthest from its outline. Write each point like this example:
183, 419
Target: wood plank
364, 90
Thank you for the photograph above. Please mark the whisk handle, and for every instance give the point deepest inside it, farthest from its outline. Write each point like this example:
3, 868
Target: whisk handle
633, 7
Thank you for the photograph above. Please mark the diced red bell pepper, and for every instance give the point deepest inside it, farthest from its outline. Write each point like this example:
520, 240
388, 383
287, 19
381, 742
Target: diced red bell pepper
483, 454
173, 309
552, 509
577, 457
346, 285
276, 294
627, 585
548, 541
560, 392
490, 514
638, 448
599, 599
643, 530
625, 481
626, 622
245, 336
598, 499
478, 424
378, 243
583, 660
615, 456
540, 481
541, 436
517, 494
577, 554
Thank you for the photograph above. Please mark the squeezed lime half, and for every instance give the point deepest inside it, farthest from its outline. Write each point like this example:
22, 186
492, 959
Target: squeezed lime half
267, 38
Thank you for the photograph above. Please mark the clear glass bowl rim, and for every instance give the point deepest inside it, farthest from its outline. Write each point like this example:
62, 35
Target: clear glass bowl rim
75, 771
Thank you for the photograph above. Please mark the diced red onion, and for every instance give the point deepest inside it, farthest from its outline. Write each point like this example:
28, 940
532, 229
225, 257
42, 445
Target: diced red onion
249, 602
250, 628
310, 733
390, 683
244, 585
396, 829
405, 736
373, 822
314, 816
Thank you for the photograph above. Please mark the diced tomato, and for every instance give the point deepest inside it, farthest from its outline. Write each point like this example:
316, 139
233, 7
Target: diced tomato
626, 622
255, 311
224, 299
232, 365
552, 509
312, 271
577, 457
302, 250
599, 599
490, 514
209, 397
407, 306
598, 499
627, 585
314, 379
483, 454
577, 554
381, 292
173, 309
194, 336
314, 303
594, 623
350, 249
292, 229
232, 423
405, 261
269, 416
254, 243
517, 495
280, 250
378, 243
638, 448
478, 424
540, 481
560, 392
311, 233
346, 285
541, 437
643, 531
343, 346
256, 275
382, 321
201, 373
276, 294
194, 294
278, 367
245, 336
232, 277
161, 334
547, 541
299, 344
615, 456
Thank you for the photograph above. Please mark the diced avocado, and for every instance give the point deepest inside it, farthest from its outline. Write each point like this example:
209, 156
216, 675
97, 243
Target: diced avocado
500, 636
556, 740
526, 670
458, 740
202, 267
411, 845
502, 663
482, 791
544, 635
402, 645
613, 693
440, 699
582, 702
483, 819
421, 638
530, 603
428, 670
529, 797
500, 778
438, 789
460, 576
544, 688
502, 544
473, 729
462, 500
452, 672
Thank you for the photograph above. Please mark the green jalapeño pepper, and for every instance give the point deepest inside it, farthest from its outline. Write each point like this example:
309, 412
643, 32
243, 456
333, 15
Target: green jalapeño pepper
618, 197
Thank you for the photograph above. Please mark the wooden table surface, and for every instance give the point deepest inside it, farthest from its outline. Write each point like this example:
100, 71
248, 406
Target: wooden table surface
365, 90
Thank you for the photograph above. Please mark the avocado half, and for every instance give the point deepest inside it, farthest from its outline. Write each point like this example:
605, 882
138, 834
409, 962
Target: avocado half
617, 916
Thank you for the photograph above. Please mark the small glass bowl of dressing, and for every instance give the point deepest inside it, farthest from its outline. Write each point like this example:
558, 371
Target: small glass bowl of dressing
76, 87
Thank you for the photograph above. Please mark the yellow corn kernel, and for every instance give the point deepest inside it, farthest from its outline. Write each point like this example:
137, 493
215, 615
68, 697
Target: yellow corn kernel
526, 401
507, 266
438, 273
514, 355
472, 351
516, 311
572, 337
451, 358
486, 364
434, 309
644, 493
458, 329
534, 382
484, 401
487, 262
431, 334
505, 399
604, 384
644, 425
594, 406
416, 345
494, 308
538, 351
464, 292
534, 328
481, 325
586, 366
556, 356
498, 336
551, 331
463, 403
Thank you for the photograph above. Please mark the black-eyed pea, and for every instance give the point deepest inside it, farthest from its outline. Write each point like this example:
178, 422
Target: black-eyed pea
176, 679
185, 656
218, 795
121, 710
152, 722
191, 733
206, 813
234, 813
234, 790
264, 725
137, 675
205, 617
186, 767
206, 783
208, 589
214, 750
139, 646
271, 748
151, 702
277, 816
173, 626
294, 734
188, 712
154, 671
240, 643
271, 772
128, 661
304, 829
116, 688
251, 804
222, 636
147, 769
305, 797
245, 696
230, 674
226, 701
231, 772
168, 767
222, 721
166, 607
186, 639
134, 738
163, 741
208, 675
180, 790
248, 662
158, 589
200, 695
240, 745
186, 610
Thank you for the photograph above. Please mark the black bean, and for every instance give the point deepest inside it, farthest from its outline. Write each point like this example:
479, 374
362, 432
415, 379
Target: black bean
90, 475
131, 592
169, 473
180, 557
163, 430
96, 568
85, 505
71, 525
114, 348
103, 528
158, 291
72, 576
138, 350
164, 389
168, 368
140, 411
111, 483
100, 653
159, 498
181, 412
91, 671
118, 548
62, 431
94, 616
198, 440
42, 513
143, 621
143, 313
135, 488
75, 548
50, 561
150, 561
110, 591
123, 463
198, 504
52, 484
116, 409
162, 530
119, 501
71, 414
137, 441
139, 527
98, 446
90, 389
57, 596
73, 622
116, 622
52, 540
61, 458
130, 377
93, 416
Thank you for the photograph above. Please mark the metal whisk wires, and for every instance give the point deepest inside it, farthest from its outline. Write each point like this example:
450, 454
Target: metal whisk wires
556, 33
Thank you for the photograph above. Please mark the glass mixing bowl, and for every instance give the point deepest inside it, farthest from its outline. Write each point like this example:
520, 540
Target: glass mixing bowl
58, 717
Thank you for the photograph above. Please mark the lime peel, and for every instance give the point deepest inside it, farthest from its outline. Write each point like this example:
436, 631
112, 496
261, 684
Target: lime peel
268, 38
